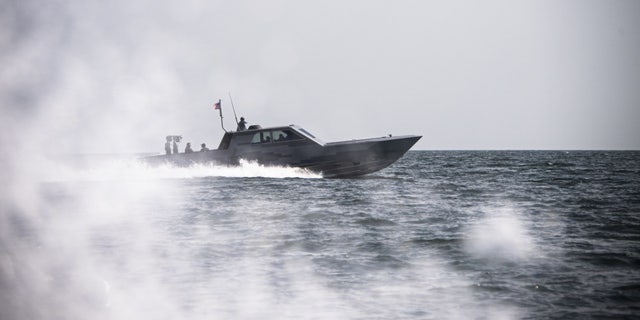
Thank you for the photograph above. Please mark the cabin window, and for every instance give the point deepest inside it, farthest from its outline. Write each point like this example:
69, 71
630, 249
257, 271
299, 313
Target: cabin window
285, 135
262, 137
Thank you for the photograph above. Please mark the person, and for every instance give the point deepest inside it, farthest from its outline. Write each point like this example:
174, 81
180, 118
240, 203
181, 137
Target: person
175, 147
167, 146
188, 149
204, 148
242, 125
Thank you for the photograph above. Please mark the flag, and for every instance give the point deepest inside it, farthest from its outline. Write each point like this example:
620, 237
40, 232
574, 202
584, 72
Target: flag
217, 105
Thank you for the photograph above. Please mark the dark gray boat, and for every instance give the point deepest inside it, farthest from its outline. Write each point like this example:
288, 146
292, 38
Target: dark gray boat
295, 147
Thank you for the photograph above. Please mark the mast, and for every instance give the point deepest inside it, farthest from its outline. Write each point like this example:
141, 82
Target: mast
218, 106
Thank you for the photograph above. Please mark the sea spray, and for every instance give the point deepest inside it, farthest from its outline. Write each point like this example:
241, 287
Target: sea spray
491, 244
133, 169
501, 235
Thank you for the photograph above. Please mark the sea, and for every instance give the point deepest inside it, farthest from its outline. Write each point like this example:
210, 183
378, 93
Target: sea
437, 235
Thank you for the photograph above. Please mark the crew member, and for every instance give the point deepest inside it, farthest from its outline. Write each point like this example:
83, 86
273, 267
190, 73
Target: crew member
167, 146
188, 149
204, 148
242, 125
175, 146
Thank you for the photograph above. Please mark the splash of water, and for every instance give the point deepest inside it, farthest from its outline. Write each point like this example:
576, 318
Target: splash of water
500, 235
131, 169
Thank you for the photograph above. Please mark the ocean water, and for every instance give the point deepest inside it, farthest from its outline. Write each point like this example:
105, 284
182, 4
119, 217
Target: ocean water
438, 235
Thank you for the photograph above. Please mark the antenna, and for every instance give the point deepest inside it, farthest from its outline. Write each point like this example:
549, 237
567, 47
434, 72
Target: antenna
233, 107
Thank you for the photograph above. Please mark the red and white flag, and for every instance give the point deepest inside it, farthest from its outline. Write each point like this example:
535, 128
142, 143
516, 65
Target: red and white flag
217, 105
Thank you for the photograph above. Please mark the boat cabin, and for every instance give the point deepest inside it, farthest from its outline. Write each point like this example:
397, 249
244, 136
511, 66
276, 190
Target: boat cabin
256, 135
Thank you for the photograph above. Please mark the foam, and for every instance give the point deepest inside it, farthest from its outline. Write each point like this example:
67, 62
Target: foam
132, 169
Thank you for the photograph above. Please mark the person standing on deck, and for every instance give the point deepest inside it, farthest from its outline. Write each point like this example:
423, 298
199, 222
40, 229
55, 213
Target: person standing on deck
175, 146
242, 125
167, 146
188, 148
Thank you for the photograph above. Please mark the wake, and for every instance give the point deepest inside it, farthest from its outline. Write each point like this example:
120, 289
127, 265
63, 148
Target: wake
136, 170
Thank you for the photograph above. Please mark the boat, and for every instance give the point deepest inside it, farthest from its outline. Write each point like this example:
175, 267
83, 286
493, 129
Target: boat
294, 146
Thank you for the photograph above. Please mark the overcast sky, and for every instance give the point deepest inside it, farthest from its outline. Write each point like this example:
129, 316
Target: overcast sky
119, 75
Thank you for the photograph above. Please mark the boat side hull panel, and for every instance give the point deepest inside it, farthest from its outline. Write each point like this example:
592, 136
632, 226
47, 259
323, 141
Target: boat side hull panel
332, 160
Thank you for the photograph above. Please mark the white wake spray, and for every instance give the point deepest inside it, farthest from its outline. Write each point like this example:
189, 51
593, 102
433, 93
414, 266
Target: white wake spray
132, 169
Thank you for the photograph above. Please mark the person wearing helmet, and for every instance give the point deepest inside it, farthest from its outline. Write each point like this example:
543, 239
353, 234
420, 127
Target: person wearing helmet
242, 125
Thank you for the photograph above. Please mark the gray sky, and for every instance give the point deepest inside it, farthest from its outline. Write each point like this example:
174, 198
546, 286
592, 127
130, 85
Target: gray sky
118, 76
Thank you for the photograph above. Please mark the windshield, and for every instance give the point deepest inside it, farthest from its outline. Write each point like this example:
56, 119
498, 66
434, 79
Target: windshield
285, 135
262, 137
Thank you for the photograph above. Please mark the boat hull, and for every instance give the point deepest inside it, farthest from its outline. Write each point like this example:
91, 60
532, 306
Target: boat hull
295, 147
357, 158
333, 160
